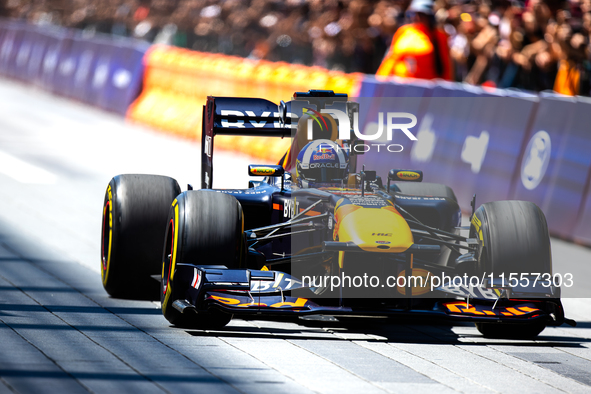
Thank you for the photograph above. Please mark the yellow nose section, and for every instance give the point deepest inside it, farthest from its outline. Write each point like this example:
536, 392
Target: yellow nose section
373, 229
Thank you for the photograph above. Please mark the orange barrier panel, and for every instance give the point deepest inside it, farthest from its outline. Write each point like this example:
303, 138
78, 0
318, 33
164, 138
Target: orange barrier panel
177, 82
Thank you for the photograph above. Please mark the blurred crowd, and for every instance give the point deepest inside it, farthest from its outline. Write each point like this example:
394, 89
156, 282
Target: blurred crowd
533, 45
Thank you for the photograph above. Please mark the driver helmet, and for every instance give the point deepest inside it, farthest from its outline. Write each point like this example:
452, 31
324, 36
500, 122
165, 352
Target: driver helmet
321, 162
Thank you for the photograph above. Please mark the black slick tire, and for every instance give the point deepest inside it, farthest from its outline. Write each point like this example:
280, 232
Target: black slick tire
135, 210
512, 239
204, 228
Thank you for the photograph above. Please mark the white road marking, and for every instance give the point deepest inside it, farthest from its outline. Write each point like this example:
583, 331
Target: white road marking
24, 172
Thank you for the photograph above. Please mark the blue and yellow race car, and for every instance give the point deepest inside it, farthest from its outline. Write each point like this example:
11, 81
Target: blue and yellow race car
317, 235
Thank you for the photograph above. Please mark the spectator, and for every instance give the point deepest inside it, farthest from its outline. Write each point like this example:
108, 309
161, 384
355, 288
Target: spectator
418, 50
527, 44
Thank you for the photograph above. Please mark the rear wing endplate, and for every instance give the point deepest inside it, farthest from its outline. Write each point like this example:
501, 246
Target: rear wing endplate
236, 116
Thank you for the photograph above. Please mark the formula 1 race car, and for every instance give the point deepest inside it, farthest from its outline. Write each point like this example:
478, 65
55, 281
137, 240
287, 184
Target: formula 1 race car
317, 235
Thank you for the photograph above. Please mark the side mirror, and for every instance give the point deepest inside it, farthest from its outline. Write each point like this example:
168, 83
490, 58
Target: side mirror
266, 170
405, 175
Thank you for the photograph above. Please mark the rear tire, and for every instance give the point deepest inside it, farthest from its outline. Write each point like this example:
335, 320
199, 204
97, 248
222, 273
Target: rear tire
512, 238
134, 221
205, 228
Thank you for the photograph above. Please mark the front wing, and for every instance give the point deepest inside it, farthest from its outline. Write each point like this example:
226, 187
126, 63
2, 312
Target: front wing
253, 292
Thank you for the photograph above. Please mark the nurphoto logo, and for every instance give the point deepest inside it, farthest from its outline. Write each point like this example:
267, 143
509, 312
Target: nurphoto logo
392, 123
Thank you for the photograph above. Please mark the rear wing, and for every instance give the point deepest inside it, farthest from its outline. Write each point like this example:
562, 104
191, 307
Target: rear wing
257, 117
240, 116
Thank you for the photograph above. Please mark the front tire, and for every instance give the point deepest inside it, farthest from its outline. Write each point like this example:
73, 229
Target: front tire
134, 221
204, 228
512, 238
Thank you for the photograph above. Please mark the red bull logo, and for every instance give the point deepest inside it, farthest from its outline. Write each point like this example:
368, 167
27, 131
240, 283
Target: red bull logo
325, 152
324, 156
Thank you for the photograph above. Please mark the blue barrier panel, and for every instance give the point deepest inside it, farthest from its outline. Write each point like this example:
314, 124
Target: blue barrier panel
454, 89
568, 171
438, 149
401, 87
35, 64
4, 37
86, 56
6, 43
373, 89
10, 48
553, 168
51, 59
369, 85
24, 52
385, 154
99, 74
571, 173
125, 78
468, 139
100, 71
391, 90
491, 149
582, 230
63, 76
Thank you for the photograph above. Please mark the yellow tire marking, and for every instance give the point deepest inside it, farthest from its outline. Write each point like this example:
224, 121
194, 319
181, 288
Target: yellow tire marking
173, 262
176, 238
103, 271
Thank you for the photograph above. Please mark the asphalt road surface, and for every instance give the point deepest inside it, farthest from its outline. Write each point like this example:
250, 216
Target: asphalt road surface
60, 331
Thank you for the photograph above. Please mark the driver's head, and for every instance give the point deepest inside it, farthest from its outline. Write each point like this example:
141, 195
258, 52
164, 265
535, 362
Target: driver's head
320, 163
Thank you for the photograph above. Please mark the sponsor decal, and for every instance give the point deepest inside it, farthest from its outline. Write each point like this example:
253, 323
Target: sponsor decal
422, 150
367, 201
474, 151
464, 308
408, 175
420, 198
262, 171
324, 156
235, 118
323, 165
535, 160
290, 207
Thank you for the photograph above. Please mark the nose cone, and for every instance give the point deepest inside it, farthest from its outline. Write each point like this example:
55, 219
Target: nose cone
373, 229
